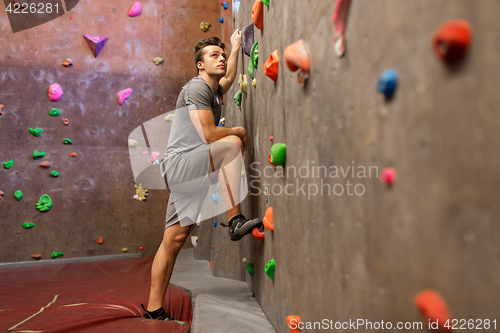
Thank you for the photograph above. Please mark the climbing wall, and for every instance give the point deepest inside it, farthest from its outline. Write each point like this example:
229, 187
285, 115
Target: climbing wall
367, 252
93, 195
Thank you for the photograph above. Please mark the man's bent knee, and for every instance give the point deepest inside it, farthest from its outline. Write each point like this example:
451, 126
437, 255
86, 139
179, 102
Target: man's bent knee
232, 139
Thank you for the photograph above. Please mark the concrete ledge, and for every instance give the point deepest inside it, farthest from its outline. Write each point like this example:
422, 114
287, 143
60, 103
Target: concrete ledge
219, 305
67, 260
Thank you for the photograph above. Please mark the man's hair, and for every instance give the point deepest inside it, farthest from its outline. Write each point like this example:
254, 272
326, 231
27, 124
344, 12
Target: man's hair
199, 51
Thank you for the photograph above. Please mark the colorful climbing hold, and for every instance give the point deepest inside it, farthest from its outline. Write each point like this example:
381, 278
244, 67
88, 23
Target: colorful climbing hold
271, 66
270, 266
204, 26
245, 261
28, 225
271, 138
54, 112
212, 265
154, 155
9, 164
67, 62
296, 56
36, 256
96, 43
37, 155
222, 121
1, 108
388, 176
1, 195
45, 164
293, 323
257, 234
258, 14
67, 141
135, 9
18, 195
123, 95
242, 82
237, 97
221, 19
268, 219
254, 83
214, 197
215, 223
451, 41
141, 248
132, 143
157, 60
266, 2
339, 19
44, 203
73, 154
250, 268
278, 154
224, 4
211, 246
387, 83
100, 240
125, 249
35, 131
251, 69
55, 92
247, 38
56, 254
434, 309
65, 121
254, 54
54, 174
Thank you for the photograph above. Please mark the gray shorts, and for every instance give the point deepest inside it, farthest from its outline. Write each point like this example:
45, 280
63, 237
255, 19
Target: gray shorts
188, 177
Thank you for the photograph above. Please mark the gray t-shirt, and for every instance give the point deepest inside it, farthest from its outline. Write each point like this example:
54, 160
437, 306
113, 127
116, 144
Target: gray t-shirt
196, 94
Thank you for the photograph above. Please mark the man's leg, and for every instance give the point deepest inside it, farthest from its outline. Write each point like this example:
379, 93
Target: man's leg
163, 263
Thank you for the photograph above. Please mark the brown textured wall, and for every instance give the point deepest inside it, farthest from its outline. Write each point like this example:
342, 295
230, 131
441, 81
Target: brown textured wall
349, 257
92, 197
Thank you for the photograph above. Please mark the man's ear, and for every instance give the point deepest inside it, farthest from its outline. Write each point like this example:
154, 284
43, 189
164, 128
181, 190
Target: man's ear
199, 64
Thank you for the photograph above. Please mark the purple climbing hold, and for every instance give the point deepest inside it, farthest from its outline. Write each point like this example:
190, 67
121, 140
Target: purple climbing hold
247, 38
96, 43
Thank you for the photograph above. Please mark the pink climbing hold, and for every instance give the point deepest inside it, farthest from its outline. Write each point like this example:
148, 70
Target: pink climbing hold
123, 95
55, 92
339, 18
135, 9
96, 43
141, 247
271, 138
388, 176
154, 156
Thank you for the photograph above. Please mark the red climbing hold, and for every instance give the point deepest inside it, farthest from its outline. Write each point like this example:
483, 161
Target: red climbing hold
141, 247
258, 14
258, 235
388, 176
271, 66
452, 40
293, 323
269, 159
268, 219
212, 265
296, 56
433, 308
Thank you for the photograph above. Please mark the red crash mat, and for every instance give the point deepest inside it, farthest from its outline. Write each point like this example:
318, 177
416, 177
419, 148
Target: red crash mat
99, 296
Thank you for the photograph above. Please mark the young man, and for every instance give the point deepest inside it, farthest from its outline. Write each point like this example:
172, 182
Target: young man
197, 150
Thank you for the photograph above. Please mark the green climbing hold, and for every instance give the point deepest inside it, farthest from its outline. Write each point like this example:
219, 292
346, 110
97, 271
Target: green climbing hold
67, 141
54, 174
270, 268
254, 54
237, 97
250, 268
9, 164
54, 112
44, 204
37, 155
36, 131
18, 195
56, 254
278, 153
28, 225
266, 2
251, 69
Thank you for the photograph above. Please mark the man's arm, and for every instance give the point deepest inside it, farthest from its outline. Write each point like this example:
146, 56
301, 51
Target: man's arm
232, 62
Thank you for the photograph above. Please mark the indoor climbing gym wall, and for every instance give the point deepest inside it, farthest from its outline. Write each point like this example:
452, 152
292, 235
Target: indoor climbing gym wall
371, 159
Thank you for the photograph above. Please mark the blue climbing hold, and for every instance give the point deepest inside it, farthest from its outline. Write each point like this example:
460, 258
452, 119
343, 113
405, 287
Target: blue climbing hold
215, 223
387, 82
214, 197
221, 20
225, 6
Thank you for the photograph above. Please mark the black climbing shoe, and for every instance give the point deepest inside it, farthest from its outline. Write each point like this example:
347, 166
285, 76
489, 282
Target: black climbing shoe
162, 315
240, 226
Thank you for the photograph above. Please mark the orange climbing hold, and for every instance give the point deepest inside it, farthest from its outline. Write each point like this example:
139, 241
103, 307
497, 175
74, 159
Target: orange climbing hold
258, 235
268, 219
271, 66
269, 159
36, 256
433, 308
296, 56
65, 121
73, 154
452, 40
1, 108
258, 14
212, 265
100, 240
45, 165
293, 323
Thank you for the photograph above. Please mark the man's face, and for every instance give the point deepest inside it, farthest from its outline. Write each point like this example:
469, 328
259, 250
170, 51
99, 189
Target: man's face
214, 61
